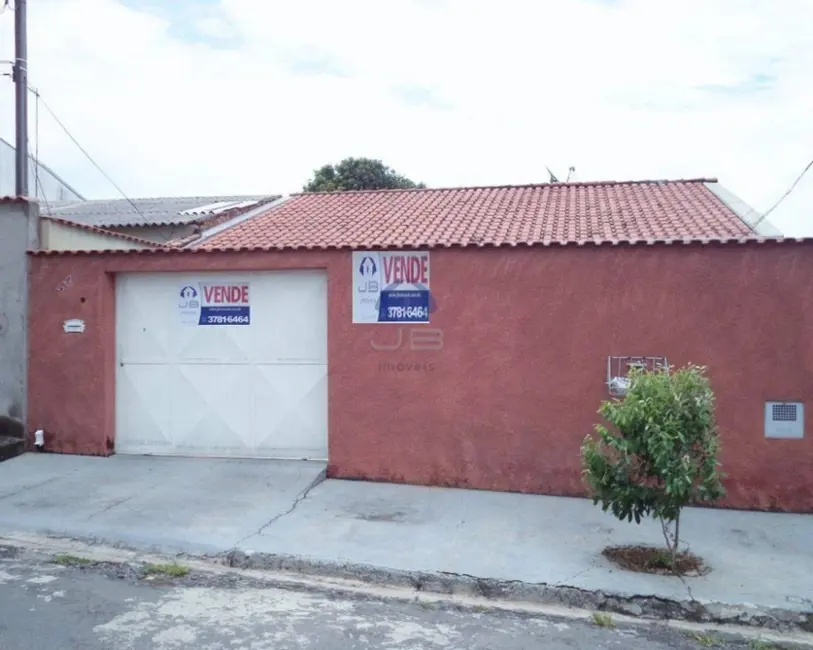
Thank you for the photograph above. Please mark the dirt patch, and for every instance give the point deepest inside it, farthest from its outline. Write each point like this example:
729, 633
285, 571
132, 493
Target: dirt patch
649, 559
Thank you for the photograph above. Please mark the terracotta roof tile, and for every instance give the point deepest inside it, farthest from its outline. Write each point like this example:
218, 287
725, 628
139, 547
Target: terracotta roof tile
508, 215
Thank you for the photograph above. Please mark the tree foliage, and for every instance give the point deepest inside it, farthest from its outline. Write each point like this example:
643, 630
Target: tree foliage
358, 174
659, 453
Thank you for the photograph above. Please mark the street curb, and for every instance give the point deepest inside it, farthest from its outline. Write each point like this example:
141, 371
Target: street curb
652, 607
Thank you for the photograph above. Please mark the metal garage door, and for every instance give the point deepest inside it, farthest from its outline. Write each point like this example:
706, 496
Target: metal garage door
226, 364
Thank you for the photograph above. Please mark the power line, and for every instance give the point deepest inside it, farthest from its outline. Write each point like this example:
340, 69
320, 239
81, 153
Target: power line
37, 135
83, 150
784, 196
37, 182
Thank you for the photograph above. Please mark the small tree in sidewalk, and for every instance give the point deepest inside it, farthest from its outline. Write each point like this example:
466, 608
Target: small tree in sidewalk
659, 453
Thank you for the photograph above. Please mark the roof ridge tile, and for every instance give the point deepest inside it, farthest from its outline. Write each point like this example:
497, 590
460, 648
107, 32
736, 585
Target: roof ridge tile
416, 190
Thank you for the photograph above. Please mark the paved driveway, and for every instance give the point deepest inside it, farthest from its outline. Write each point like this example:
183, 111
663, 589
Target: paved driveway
194, 504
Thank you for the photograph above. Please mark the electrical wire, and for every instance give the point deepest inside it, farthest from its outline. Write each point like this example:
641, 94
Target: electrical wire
784, 196
37, 137
6, 6
37, 182
39, 99
83, 150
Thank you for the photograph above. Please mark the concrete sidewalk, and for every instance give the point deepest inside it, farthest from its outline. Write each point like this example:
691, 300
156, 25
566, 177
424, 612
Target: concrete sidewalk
194, 505
267, 510
761, 559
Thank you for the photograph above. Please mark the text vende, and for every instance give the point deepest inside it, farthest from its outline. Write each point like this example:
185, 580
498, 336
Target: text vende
226, 294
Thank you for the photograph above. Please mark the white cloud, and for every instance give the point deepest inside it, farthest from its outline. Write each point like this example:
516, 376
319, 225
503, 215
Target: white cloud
252, 95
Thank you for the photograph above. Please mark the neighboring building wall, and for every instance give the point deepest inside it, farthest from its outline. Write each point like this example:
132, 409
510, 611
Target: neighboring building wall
18, 233
59, 237
506, 401
42, 182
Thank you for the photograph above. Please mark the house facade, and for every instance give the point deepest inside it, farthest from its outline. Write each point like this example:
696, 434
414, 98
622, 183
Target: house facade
459, 337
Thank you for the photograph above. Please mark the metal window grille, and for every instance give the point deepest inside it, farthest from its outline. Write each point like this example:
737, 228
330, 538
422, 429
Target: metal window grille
783, 412
618, 369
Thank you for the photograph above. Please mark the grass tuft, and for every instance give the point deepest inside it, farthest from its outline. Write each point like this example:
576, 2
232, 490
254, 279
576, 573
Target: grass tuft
65, 559
170, 570
603, 620
759, 644
706, 640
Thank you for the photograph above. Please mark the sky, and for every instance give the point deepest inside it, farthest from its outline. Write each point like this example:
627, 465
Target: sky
202, 97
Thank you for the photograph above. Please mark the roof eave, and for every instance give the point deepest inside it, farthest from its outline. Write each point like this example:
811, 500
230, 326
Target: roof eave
591, 243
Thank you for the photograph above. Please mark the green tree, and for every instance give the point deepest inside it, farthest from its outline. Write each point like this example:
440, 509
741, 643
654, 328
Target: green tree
358, 174
660, 452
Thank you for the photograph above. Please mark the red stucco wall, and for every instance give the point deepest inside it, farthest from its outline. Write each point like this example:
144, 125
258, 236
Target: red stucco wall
506, 401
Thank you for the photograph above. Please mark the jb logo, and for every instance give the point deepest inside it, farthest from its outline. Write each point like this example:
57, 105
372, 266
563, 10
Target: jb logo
416, 339
367, 266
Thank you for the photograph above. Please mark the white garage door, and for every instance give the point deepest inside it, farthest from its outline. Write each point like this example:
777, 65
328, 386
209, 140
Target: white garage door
226, 364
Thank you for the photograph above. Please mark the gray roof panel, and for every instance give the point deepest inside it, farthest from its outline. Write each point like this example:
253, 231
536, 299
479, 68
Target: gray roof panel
111, 213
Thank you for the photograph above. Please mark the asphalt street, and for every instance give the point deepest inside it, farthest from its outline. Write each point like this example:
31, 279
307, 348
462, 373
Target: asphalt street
50, 605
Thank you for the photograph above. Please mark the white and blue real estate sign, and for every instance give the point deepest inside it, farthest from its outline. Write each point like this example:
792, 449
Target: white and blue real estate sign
391, 287
215, 304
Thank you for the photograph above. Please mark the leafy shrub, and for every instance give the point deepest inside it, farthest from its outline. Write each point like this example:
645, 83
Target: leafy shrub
659, 453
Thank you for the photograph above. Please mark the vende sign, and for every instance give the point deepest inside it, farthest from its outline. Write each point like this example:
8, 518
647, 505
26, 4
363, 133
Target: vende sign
391, 287
215, 304
406, 268
226, 294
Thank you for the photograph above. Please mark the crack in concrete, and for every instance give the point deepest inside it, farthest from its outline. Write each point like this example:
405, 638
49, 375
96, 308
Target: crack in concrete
293, 507
30, 487
151, 488
299, 499
688, 589
572, 578
110, 507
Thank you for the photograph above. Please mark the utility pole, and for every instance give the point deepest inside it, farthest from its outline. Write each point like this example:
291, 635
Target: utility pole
20, 76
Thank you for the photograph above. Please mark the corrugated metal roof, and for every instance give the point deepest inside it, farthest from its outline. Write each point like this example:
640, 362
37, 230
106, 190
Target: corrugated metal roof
219, 207
166, 211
